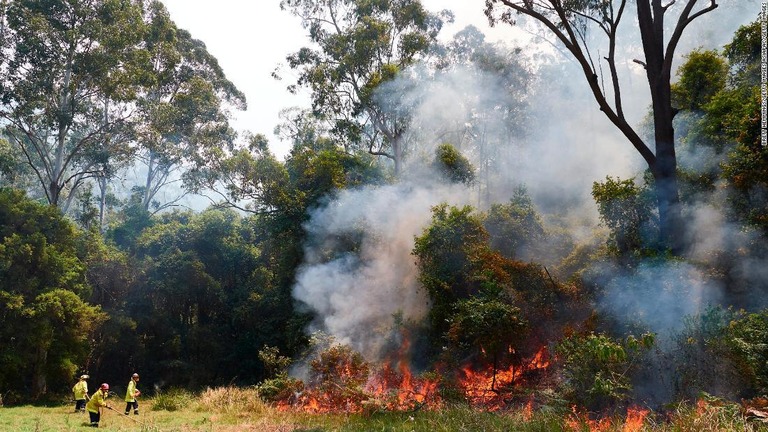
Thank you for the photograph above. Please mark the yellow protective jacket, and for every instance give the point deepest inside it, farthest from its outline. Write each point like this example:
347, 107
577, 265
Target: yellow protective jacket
80, 389
97, 401
130, 394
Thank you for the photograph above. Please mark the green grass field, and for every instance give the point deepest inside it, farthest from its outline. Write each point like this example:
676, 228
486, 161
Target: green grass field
232, 409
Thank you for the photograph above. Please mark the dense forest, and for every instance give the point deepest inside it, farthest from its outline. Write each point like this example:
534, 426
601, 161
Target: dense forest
404, 239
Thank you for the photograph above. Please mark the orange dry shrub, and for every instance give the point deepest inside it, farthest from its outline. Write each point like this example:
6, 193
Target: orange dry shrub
338, 377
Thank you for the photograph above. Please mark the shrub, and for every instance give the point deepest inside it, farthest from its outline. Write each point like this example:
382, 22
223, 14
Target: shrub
595, 368
701, 352
280, 388
172, 400
748, 342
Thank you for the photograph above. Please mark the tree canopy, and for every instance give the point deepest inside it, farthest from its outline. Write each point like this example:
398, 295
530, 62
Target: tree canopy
361, 45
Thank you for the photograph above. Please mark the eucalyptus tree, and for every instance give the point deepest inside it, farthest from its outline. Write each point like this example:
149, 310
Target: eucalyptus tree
359, 46
570, 22
184, 107
70, 70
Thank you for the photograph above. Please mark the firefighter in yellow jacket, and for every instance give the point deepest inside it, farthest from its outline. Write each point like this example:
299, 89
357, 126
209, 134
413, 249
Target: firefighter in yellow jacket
97, 401
131, 394
80, 391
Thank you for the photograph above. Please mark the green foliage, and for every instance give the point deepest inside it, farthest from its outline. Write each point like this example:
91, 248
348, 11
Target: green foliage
482, 325
747, 166
359, 45
625, 208
726, 89
724, 352
453, 165
280, 388
131, 221
184, 106
744, 53
201, 302
700, 360
595, 369
515, 228
68, 73
47, 325
274, 363
447, 251
748, 342
317, 175
481, 300
702, 75
8, 163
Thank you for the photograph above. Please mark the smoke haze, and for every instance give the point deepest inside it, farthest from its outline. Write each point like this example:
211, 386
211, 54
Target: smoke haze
564, 145
355, 295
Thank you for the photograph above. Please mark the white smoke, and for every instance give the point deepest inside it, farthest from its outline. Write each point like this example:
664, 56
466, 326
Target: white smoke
656, 295
356, 295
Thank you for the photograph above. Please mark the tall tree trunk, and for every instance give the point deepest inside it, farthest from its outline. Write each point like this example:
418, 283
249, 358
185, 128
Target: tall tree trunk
39, 381
148, 185
665, 176
102, 181
64, 122
664, 168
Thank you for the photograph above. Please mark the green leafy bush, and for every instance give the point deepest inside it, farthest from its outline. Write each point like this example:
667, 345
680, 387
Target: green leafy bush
748, 341
595, 369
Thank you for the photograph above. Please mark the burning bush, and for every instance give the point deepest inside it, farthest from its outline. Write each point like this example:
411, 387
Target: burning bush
487, 327
342, 381
338, 377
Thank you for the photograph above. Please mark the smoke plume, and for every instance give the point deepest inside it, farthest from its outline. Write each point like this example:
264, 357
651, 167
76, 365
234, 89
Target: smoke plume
557, 145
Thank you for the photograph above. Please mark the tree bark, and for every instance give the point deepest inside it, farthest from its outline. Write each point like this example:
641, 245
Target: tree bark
650, 14
39, 381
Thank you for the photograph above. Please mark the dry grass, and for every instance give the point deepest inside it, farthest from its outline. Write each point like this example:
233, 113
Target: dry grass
232, 409
233, 401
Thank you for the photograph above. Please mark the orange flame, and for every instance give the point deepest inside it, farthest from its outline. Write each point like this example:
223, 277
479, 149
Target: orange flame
394, 387
577, 421
400, 390
528, 410
483, 387
635, 418
701, 406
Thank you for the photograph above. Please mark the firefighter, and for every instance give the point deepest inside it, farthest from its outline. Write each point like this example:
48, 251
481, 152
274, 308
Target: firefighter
81, 393
131, 394
96, 402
